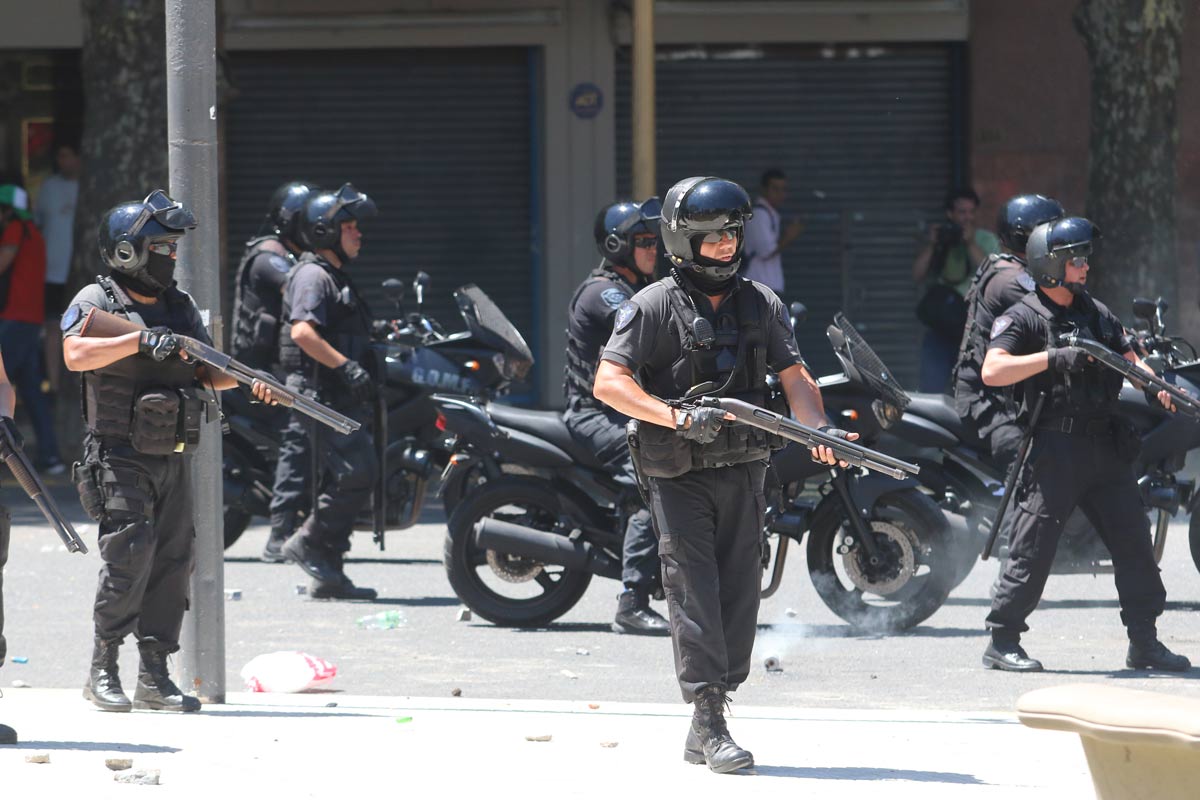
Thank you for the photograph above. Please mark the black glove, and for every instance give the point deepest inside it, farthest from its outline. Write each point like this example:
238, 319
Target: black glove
1067, 359
11, 433
158, 343
831, 431
706, 424
357, 381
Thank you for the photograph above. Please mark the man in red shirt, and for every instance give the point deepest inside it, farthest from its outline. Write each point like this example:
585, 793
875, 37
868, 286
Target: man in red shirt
22, 312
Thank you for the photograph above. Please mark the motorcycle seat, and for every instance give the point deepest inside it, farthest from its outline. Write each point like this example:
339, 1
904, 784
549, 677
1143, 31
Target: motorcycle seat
938, 408
547, 425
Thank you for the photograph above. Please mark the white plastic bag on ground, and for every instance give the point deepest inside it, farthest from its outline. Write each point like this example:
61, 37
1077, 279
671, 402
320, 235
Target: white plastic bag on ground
287, 671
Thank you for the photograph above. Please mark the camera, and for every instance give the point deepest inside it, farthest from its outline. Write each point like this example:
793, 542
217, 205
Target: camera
949, 234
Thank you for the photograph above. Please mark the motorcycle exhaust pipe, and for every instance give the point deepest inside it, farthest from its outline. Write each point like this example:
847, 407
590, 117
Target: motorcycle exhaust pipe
548, 548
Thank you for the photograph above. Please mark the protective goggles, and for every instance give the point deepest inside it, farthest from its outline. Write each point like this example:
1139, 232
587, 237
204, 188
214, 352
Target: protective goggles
645, 241
728, 234
166, 212
647, 211
165, 248
1077, 261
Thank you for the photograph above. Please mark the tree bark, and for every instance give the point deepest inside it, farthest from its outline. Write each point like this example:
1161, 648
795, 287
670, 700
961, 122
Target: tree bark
1134, 50
125, 119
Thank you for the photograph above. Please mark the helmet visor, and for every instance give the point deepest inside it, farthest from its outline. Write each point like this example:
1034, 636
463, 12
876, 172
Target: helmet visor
351, 204
166, 212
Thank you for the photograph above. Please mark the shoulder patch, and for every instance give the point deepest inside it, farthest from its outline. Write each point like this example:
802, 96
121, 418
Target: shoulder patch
1026, 281
1000, 325
280, 264
614, 297
625, 315
70, 317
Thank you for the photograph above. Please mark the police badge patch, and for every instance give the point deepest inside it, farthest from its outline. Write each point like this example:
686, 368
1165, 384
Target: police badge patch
625, 315
280, 264
613, 297
1000, 325
1026, 281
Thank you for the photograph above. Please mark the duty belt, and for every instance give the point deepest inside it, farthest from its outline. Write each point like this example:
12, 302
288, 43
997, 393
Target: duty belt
1079, 426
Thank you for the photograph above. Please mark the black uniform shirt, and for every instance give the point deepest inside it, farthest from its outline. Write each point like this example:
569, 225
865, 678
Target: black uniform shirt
314, 290
642, 338
1020, 331
590, 317
266, 275
153, 314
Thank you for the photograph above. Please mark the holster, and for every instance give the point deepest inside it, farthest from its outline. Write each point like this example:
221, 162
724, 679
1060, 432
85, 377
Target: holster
633, 439
83, 475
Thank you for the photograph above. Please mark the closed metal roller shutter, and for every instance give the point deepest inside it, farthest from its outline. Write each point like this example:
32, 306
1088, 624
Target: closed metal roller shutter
440, 139
864, 134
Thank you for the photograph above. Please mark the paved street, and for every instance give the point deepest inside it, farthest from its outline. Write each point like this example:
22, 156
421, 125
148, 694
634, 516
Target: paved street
935, 667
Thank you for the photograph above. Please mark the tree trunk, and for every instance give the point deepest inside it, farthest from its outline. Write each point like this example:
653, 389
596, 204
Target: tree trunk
1134, 50
125, 119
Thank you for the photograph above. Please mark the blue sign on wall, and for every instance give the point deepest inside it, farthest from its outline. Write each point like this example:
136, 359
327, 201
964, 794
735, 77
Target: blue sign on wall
586, 100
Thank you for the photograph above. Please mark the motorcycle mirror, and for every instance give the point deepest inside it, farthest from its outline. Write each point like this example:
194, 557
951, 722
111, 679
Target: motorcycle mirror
1144, 308
394, 289
799, 313
837, 339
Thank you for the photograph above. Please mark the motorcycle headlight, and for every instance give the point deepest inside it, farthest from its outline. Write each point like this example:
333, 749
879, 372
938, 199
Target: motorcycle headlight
886, 414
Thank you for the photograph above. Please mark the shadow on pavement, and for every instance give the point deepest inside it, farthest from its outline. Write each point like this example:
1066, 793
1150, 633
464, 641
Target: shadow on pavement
209, 711
1129, 674
564, 627
866, 774
802, 631
416, 601
115, 747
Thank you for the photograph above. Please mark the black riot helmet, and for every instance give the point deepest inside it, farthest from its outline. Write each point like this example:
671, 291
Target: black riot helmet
700, 207
286, 209
617, 225
137, 241
1052, 244
1021, 214
324, 213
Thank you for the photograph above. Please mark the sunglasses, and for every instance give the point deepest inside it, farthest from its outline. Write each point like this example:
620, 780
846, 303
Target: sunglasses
725, 235
645, 242
164, 248
1078, 262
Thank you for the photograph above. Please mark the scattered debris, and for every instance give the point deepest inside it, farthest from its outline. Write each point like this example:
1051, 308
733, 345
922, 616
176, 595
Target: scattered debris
383, 621
582, 651
566, 673
791, 612
301, 589
874, 677
593, 706
233, 594
773, 664
545, 737
456, 692
20, 684
38, 758
464, 614
402, 720
331, 705
20, 659
609, 744
287, 671
118, 764
142, 777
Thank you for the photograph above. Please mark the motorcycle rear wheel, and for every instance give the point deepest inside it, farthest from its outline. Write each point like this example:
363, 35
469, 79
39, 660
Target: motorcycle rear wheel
236, 520
1194, 539
912, 583
504, 589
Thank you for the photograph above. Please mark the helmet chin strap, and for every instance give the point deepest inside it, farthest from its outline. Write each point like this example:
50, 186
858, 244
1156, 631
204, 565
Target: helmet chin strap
1074, 288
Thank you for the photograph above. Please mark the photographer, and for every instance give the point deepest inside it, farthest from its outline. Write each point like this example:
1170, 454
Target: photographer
946, 264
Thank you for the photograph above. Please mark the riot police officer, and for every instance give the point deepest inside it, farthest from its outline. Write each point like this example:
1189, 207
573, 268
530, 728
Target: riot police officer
259, 283
999, 282
326, 331
628, 244
142, 405
1078, 457
704, 327
7, 402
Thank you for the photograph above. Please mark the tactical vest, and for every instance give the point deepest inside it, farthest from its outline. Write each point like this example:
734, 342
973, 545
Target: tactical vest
579, 374
256, 327
1091, 392
969, 390
736, 361
111, 393
347, 330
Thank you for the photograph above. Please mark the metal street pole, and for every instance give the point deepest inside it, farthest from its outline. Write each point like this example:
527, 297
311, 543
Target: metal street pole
644, 156
192, 142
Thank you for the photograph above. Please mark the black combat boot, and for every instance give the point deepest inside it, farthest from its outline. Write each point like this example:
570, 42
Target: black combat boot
1004, 652
7, 735
282, 526
634, 615
155, 689
313, 559
343, 589
104, 686
1147, 652
708, 740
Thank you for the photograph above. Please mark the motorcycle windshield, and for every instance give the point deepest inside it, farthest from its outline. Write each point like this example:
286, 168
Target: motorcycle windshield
487, 323
850, 345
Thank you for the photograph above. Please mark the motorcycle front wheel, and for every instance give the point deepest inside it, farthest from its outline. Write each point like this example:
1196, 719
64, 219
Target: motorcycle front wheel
912, 577
502, 588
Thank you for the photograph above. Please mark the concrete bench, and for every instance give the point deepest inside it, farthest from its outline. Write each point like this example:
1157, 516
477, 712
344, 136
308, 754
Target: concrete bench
1139, 745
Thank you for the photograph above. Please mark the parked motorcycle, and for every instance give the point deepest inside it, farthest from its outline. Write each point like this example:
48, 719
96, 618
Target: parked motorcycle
957, 473
525, 540
410, 357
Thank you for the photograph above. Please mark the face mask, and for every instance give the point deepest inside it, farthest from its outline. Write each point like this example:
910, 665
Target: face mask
160, 271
